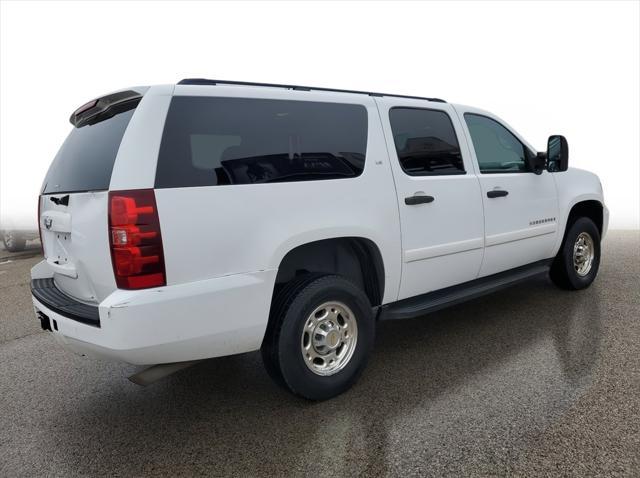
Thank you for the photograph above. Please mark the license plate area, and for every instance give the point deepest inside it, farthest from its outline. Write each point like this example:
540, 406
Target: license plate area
57, 252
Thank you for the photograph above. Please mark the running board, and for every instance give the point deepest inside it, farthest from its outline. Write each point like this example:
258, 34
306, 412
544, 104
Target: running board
440, 299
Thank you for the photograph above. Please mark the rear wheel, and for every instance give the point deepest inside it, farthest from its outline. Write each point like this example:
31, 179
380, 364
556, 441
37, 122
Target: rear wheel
576, 265
13, 242
320, 336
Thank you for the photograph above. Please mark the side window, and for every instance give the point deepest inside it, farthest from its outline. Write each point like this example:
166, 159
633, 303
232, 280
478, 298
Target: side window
426, 142
209, 141
497, 149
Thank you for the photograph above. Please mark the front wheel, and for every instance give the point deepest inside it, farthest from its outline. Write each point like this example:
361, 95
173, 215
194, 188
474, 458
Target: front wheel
576, 265
320, 336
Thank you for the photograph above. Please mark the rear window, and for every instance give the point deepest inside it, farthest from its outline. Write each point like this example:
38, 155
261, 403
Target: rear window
210, 141
85, 160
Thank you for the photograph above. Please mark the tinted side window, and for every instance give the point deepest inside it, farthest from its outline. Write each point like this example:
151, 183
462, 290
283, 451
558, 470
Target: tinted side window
211, 141
425, 141
497, 149
85, 160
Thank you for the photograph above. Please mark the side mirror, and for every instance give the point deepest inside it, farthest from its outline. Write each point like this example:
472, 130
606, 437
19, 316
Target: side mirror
557, 154
537, 163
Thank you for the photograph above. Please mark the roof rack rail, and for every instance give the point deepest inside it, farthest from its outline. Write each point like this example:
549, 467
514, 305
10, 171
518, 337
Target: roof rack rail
204, 81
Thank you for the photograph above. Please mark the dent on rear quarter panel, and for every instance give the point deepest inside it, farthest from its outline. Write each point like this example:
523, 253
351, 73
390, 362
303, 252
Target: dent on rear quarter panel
135, 165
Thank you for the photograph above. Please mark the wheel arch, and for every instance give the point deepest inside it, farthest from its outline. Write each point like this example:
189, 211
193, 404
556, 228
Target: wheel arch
590, 207
357, 258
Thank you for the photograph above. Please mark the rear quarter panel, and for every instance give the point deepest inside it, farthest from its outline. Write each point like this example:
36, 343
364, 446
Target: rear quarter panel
216, 231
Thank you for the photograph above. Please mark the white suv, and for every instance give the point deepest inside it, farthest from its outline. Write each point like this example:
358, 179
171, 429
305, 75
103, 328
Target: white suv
208, 218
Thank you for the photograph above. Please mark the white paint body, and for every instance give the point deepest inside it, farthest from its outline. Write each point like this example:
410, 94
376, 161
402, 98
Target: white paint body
223, 245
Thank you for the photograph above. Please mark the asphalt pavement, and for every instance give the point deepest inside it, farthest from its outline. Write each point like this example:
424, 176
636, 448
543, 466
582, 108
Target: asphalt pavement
530, 381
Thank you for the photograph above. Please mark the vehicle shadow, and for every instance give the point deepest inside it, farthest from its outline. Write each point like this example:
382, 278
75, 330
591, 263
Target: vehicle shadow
496, 369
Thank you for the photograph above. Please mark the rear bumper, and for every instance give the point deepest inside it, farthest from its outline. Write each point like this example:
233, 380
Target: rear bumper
210, 318
47, 294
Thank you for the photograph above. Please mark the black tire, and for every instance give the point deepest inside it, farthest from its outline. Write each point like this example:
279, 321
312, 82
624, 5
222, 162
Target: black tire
281, 348
563, 273
280, 298
13, 242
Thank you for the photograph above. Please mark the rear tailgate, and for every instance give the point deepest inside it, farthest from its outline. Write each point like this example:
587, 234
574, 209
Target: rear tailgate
73, 206
76, 244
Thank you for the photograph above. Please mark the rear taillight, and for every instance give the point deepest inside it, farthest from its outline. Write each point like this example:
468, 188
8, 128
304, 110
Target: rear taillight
135, 239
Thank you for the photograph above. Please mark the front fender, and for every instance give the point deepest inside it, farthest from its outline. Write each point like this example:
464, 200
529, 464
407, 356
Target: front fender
575, 186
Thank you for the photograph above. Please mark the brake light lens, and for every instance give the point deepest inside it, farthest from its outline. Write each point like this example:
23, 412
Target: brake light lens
85, 107
135, 239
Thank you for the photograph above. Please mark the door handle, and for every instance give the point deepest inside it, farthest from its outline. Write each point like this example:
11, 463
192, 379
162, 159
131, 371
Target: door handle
497, 193
413, 200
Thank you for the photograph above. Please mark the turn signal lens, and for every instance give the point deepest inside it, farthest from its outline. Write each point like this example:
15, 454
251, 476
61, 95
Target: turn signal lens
135, 239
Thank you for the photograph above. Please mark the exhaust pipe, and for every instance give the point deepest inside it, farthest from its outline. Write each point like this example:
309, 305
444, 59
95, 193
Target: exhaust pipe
157, 372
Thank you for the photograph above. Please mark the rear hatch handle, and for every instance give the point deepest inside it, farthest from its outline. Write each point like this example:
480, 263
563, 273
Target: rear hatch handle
61, 201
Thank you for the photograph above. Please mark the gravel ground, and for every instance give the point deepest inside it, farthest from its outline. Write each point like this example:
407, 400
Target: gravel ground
531, 381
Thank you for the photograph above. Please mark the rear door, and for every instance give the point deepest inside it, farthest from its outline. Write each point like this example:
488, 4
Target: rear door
520, 207
438, 195
73, 205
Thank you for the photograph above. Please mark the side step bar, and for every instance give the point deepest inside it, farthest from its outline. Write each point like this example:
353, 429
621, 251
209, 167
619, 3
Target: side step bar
440, 299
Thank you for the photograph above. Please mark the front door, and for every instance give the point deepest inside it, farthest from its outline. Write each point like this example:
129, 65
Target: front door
520, 207
438, 195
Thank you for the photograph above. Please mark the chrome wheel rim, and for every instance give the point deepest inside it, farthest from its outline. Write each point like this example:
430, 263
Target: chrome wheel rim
583, 254
329, 338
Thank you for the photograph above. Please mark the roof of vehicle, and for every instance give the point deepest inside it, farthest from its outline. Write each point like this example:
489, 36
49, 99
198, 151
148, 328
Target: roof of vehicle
204, 81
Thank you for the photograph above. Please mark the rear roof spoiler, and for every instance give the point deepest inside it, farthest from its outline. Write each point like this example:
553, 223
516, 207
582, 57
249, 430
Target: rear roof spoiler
105, 107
